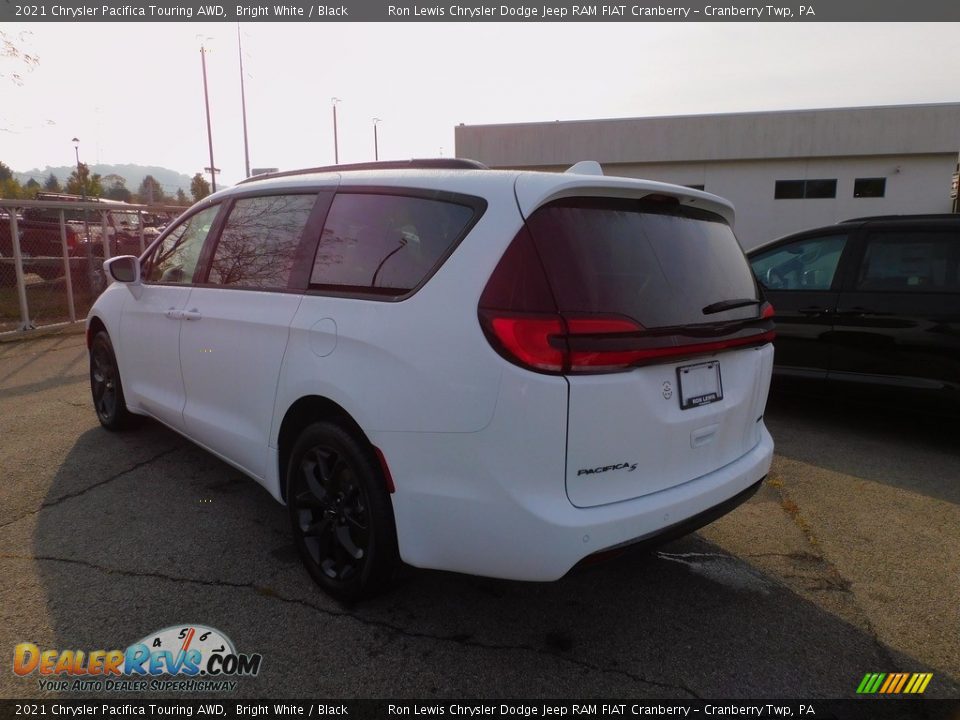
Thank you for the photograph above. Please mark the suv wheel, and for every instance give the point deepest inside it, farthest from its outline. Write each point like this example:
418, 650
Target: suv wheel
340, 512
105, 385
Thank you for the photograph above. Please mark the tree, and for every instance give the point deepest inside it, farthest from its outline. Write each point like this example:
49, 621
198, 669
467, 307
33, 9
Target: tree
199, 187
81, 182
5, 172
52, 184
15, 60
31, 188
151, 192
10, 189
116, 188
182, 198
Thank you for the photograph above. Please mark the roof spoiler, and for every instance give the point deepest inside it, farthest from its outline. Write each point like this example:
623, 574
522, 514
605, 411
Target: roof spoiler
585, 167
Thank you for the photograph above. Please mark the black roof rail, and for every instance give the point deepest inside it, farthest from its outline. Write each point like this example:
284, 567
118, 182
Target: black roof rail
412, 164
919, 216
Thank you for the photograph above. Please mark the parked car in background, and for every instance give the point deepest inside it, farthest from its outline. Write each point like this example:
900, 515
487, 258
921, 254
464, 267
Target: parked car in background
870, 307
39, 229
492, 372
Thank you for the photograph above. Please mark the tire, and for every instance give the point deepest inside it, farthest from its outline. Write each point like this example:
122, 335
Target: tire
105, 386
340, 512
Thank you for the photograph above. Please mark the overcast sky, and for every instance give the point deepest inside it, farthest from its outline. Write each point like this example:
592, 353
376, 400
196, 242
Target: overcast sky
133, 93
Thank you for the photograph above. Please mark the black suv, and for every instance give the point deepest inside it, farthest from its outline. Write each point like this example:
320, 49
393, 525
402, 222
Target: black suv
867, 305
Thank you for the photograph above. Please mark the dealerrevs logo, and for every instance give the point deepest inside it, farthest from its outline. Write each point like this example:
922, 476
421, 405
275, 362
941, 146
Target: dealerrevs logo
200, 658
629, 467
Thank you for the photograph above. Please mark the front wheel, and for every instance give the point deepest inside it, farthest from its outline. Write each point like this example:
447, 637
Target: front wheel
105, 385
340, 512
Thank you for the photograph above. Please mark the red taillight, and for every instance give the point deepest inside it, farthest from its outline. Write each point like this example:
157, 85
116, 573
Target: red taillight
520, 317
591, 345
531, 340
767, 311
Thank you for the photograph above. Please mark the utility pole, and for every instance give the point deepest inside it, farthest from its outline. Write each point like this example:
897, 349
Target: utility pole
206, 101
243, 108
336, 149
376, 150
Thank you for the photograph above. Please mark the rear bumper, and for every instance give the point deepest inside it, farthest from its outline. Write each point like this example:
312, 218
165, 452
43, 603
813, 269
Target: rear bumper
508, 531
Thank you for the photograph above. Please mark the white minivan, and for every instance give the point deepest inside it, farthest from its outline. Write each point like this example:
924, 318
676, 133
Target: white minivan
491, 372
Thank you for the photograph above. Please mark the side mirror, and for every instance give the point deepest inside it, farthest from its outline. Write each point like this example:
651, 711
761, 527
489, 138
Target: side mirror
123, 269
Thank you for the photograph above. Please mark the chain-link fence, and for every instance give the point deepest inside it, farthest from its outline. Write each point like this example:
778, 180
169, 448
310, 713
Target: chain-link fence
52, 253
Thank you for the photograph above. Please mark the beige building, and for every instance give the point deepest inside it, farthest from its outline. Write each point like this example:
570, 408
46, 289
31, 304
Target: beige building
784, 171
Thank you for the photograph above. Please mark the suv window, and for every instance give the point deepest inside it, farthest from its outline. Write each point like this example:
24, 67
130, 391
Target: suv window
386, 243
259, 241
657, 263
808, 264
175, 258
910, 261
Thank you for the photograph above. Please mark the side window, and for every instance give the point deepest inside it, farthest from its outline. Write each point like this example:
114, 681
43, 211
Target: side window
175, 258
808, 264
388, 243
910, 262
259, 241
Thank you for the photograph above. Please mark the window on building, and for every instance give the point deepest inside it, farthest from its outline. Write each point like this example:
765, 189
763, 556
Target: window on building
800, 189
869, 187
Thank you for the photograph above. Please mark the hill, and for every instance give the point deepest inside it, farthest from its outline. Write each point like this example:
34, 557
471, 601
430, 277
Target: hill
170, 180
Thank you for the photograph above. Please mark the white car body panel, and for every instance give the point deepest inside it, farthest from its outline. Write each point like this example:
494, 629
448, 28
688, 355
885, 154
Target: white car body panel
477, 447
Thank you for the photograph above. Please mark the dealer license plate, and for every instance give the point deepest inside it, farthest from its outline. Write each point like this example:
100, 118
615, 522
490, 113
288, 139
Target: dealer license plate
699, 384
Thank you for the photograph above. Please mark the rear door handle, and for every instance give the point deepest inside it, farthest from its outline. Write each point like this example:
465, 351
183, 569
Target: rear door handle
174, 314
191, 314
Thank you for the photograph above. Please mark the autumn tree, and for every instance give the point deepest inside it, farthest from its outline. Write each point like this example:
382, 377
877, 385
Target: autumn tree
81, 182
199, 187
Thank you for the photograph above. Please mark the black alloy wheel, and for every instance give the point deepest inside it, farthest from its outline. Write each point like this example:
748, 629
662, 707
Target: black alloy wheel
105, 385
340, 512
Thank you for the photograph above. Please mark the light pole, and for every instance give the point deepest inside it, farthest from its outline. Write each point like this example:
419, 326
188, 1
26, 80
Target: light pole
336, 149
376, 150
91, 274
206, 101
243, 108
76, 152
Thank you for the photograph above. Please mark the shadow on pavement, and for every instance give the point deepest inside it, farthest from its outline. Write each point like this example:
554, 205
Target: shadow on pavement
143, 531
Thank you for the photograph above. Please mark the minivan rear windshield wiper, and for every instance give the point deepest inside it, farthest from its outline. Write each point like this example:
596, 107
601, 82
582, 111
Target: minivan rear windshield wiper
729, 305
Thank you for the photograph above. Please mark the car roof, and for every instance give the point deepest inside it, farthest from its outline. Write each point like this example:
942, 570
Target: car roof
892, 220
533, 188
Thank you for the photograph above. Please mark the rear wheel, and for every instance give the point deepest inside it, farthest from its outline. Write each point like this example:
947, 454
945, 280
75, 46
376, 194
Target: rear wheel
340, 512
105, 385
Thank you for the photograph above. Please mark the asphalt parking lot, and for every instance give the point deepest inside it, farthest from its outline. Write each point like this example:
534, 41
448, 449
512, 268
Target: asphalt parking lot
846, 562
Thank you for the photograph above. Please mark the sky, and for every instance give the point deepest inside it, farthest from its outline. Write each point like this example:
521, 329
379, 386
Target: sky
133, 92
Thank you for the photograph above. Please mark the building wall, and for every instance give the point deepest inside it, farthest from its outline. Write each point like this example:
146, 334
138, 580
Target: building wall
741, 156
914, 184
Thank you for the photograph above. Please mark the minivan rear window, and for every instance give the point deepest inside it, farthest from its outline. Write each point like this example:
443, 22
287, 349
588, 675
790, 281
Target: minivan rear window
658, 263
386, 244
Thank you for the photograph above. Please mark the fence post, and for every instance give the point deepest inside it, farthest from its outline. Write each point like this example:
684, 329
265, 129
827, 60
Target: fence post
66, 266
25, 323
103, 235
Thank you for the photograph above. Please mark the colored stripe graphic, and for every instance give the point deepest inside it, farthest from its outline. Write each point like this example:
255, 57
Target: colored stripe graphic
894, 683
